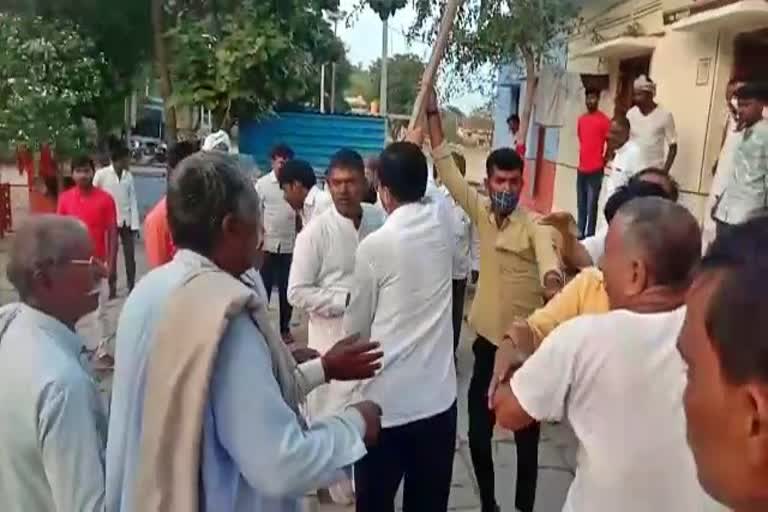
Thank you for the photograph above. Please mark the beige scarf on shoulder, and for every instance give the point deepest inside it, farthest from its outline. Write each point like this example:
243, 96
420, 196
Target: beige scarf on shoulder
179, 375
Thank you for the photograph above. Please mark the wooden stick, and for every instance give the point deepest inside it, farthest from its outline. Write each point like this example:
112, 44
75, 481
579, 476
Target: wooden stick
446, 24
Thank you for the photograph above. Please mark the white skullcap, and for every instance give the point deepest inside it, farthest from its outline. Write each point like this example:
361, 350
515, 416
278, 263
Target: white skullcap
214, 141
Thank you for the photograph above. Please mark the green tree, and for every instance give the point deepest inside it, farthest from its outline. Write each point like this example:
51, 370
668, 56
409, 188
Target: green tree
405, 71
121, 34
247, 61
526, 33
49, 77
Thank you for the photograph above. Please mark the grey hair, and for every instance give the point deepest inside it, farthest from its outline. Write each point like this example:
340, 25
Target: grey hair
668, 235
40, 241
205, 188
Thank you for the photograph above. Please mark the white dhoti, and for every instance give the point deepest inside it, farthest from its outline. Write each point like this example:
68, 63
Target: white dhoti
334, 396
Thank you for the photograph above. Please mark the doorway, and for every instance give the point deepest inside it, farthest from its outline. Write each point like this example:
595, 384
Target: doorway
629, 70
750, 50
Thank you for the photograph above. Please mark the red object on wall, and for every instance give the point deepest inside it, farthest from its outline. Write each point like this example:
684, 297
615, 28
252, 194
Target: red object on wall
544, 189
6, 218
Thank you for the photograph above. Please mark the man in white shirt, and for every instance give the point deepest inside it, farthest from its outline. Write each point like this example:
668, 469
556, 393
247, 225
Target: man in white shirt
402, 299
653, 128
627, 158
117, 180
723, 168
280, 222
54, 426
299, 184
322, 277
462, 232
618, 378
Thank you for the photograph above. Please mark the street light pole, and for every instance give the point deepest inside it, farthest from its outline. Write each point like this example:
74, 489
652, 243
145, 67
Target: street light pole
384, 78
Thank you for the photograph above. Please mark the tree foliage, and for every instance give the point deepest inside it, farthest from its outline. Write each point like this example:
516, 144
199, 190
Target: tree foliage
245, 58
49, 76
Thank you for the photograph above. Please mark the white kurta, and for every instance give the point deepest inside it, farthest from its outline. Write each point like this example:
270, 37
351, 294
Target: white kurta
320, 282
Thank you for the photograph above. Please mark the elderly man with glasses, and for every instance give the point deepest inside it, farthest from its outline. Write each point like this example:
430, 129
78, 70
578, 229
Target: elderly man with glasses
53, 432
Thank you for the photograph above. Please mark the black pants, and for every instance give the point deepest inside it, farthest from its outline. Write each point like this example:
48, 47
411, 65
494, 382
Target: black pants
588, 187
127, 240
722, 228
422, 453
275, 271
481, 423
459, 293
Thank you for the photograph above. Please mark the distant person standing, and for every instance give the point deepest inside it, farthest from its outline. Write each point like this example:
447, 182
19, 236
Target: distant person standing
626, 156
158, 242
96, 209
280, 225
652, 127
592, 131
117, 180
513, 123
746, 193
723, 168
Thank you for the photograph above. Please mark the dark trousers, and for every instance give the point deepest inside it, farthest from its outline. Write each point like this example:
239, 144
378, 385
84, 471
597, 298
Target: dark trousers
422, 453
588, 187
722, 228
459, 293
127, 240
481, 423
275, 271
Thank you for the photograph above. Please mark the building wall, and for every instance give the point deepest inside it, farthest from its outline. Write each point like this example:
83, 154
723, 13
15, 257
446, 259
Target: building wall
699, 110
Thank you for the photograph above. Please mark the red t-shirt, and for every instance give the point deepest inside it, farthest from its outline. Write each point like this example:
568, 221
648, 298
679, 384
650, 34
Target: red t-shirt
158, 241
96, 209
593, 132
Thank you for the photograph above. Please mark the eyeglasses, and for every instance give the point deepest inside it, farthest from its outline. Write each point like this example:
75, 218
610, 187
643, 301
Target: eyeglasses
98, 268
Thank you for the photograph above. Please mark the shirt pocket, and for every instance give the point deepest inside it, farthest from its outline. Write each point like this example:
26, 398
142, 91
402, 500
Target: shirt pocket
514, 249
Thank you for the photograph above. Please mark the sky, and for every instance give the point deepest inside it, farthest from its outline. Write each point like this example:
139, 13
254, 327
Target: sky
363, 42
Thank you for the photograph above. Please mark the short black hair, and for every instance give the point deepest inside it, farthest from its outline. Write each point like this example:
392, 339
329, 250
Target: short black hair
737, 318
297, 171
632, 190
119, 152
669, 236
753, 91
347, 159
592, 92
206, 187
674, 187
82, 161
181, 150
403, 170
513, 117
282, 151
503, 159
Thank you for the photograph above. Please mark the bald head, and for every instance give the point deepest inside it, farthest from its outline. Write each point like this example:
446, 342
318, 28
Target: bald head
41, 241
665, 234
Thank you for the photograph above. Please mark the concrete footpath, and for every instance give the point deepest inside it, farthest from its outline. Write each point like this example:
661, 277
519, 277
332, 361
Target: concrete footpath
557, 448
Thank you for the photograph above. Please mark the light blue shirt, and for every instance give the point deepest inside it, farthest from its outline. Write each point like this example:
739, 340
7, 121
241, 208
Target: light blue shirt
255, 455
52, 422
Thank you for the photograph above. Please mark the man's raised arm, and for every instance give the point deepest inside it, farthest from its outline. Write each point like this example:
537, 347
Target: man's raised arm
465, 195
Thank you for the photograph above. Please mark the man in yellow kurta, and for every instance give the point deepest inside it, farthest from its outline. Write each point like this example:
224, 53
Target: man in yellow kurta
519, 268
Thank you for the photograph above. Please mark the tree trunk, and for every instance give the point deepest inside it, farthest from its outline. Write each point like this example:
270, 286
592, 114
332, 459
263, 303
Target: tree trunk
530, 94
163, 69
525, 118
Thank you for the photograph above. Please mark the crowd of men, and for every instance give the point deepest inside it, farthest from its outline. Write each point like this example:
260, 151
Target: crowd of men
655, 355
